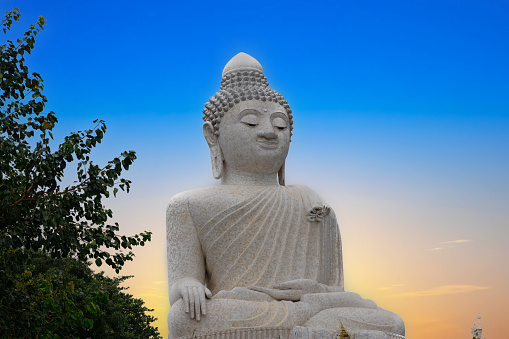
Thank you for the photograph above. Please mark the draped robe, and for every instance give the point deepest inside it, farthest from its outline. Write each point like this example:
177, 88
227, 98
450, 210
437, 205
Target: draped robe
261, 236
272, 236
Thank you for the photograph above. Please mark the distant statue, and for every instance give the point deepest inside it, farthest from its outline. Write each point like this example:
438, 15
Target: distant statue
253, 258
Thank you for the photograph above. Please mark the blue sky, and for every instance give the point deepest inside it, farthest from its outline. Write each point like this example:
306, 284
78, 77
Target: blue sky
401, 123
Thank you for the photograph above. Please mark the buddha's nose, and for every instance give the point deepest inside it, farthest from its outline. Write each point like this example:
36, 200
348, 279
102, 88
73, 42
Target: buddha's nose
267, 132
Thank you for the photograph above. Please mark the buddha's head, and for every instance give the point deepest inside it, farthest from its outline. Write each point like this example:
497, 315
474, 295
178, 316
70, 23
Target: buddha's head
247, 124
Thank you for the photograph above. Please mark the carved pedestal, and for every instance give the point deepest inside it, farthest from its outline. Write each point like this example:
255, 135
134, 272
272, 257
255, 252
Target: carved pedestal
298, 332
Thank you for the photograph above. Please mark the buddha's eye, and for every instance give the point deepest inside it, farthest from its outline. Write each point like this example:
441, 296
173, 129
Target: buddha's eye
250, 120
279, 123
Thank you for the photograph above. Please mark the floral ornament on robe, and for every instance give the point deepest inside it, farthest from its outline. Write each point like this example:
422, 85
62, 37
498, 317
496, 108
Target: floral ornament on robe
317, 213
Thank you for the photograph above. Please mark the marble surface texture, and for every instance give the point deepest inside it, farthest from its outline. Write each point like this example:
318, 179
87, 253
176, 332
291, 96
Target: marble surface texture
252, 257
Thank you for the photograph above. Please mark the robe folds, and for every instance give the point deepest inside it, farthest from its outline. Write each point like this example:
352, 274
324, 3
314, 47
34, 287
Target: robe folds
275, 234
236, 237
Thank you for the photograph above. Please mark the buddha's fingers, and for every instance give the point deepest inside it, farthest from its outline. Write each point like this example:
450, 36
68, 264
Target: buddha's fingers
197, 302
305, 285
260, 289
191, 300
203, 304
185, 298
292, 295
292, 284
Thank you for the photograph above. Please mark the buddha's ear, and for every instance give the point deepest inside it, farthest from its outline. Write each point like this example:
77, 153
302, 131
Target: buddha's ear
216, 156
208, 132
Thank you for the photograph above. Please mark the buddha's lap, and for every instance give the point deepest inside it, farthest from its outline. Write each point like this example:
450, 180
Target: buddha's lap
223, 314
355, 319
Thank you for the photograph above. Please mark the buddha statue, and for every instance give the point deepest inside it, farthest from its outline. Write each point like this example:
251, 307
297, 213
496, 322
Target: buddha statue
251, 257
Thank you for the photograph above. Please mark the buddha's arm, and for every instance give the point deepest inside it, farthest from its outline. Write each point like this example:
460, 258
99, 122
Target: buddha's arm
186, 263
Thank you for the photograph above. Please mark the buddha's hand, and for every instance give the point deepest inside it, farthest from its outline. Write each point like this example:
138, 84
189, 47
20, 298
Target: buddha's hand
193, 294
292, 290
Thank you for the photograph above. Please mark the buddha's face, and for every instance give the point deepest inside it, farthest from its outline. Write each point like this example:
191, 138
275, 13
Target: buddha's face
254, 136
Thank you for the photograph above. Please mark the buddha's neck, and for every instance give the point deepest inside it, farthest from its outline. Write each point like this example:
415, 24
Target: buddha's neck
233, 176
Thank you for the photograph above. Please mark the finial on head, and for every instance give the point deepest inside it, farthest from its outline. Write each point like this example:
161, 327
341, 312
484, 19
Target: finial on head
242, 62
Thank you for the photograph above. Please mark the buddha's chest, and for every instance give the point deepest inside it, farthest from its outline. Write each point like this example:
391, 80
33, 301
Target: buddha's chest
265, 238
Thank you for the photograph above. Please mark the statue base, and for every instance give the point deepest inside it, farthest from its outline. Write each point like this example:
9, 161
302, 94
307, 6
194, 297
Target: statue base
246, 333
298, 332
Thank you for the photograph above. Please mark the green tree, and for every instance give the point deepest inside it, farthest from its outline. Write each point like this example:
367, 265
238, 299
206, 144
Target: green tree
64, 298
41, 219
35, 211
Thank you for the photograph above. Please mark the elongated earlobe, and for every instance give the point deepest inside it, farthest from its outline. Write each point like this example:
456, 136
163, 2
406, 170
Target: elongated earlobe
281, 175
216, 155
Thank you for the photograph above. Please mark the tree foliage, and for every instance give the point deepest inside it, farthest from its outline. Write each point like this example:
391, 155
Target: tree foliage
35, 211
64, 298
50, 231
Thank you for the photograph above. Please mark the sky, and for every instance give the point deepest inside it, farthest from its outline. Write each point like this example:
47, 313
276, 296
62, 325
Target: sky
401, 113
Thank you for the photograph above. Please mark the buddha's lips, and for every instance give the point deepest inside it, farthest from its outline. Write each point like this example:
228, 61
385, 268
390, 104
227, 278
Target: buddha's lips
267, 143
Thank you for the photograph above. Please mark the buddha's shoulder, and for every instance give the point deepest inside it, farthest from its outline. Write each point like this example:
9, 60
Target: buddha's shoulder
308, 195
210, 196
303, 189
224, 195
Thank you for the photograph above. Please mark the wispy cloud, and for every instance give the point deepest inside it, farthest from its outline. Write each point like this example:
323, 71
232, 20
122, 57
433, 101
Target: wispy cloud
450, 244
460, 241
386, 288
446, 289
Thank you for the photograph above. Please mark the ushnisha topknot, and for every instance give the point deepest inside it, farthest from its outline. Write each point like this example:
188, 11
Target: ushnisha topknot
243, 79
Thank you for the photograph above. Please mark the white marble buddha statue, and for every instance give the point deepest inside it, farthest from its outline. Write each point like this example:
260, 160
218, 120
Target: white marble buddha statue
253, 258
